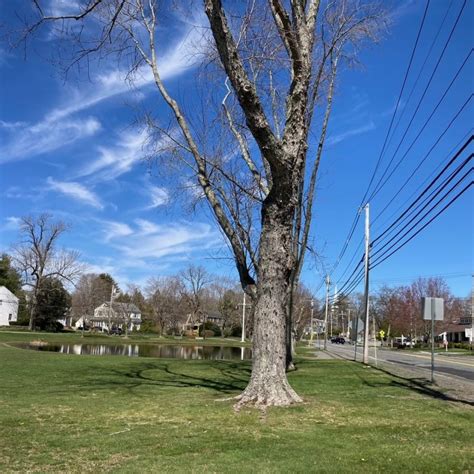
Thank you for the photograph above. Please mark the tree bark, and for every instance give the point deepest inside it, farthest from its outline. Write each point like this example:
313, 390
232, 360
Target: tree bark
268, 384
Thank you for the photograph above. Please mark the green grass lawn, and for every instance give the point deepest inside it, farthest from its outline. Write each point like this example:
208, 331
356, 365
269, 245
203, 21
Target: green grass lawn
62, 413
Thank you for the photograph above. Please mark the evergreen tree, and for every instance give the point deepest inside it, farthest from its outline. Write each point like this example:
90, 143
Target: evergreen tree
9, 277
52, 303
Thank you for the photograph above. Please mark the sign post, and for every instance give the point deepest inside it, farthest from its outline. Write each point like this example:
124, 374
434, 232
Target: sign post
432, 308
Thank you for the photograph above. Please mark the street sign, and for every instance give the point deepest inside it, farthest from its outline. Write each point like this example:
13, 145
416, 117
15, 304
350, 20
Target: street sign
432, 308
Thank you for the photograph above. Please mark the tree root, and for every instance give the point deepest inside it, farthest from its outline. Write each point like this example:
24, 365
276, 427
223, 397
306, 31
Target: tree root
262, 397
228, 399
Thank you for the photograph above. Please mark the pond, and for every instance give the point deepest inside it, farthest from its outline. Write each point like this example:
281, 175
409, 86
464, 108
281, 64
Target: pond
167, 351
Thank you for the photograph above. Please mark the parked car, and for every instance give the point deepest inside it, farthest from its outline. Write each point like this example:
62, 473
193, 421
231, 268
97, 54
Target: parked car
116, 331
338, 340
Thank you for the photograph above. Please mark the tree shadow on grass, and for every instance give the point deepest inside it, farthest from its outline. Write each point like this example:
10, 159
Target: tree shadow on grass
422, 386
419, 385
230, 378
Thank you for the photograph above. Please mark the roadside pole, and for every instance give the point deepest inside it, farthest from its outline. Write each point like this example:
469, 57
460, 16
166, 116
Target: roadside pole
366, 292
312, 323
432, 341
356, 336
328, 282
243, 320
375, 341
432, 308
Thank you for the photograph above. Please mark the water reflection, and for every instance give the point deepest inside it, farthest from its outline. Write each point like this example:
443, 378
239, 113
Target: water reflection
147, 350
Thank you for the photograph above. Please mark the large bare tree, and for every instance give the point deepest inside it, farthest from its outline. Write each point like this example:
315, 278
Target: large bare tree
38, 258
278, 61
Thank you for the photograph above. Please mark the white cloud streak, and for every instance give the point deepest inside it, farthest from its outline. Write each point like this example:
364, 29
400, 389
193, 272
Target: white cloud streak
334, 139
159, 196
147, 240
58, 128
115, 230
75, 191
116, 160
24, 141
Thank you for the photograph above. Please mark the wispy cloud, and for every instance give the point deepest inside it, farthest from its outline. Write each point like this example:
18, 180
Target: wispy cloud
148, 240
116, 160
333, 139
159, 196
62, 7
20, 192
177, 60
11, 223
59, 128
23, 140
113, 230
76, 191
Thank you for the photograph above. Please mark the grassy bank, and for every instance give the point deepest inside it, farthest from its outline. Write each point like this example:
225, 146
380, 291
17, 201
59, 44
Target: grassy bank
86, 413
100, 338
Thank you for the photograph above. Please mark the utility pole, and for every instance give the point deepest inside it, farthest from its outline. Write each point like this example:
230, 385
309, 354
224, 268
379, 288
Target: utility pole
472, 313
328, 282
312, 323
366, 292
112, 291
243, 320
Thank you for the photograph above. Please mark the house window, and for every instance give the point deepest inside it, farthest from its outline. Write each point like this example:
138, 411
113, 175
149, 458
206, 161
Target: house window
10, 317
0, 302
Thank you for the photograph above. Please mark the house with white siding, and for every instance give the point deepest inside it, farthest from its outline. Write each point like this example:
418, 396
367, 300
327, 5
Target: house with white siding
119, 315
8, 306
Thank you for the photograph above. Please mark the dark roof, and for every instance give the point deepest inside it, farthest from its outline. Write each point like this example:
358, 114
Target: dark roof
452, 327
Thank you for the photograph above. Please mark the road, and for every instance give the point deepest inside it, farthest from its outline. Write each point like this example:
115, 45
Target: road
446, 366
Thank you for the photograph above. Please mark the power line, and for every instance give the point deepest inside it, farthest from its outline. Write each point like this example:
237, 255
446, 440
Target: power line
427, 121
459, 152
428, 54
427, 212
357, 216
407, 72
375, 264
378, 187
436, 192
453, 150
352, 281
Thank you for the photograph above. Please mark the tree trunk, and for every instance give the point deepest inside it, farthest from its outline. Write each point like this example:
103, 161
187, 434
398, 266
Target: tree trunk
268, 384
32, 323
289, 330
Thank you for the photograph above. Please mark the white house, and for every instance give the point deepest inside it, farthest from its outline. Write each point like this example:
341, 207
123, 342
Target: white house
8, 306
121, 314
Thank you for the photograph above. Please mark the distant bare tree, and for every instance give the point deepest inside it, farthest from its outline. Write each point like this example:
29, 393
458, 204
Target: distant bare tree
37, 257
195, 280
164, 297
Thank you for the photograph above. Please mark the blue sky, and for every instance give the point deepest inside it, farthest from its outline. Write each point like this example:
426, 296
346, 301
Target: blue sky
72, 148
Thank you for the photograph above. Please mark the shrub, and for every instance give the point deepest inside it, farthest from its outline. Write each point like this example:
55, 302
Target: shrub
236, 331
461, 345
148, 326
